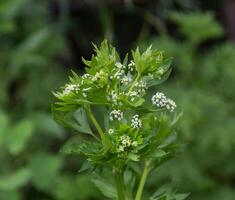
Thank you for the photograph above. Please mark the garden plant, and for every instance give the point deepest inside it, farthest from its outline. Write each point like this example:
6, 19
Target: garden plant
126, 125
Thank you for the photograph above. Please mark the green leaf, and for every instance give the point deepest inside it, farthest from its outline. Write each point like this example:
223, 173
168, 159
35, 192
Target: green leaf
85, 166
4, 123
190, 23
167, 193
73, 146
106, 187
44, 169
148, 61
75, 120
133, 157
137, 102
14, 180
158, 153
17, 138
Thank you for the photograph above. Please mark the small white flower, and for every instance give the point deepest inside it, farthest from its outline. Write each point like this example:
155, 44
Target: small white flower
136, 121
170, 105
125, 80
133, 95
134, 144
120, 65
99, 75
113, 97
86, 76
131, 66
110, 131
116, 114
70, 88
125, 141
141, 86
119, 71
159, 99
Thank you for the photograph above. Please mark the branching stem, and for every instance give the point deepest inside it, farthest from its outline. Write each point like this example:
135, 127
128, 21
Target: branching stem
133, 84
96, 124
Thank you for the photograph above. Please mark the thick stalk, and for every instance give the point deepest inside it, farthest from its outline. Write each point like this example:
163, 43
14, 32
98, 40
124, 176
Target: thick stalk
120, 185
96, 124
143, 180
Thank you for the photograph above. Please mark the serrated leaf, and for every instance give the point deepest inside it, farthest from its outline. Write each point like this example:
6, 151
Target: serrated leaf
107, 188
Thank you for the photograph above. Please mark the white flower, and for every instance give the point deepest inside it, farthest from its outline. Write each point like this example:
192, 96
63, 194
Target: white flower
159, 99
136, 121
141, 86
110, 131
70, 88
125, 141
113, 97
99, 75
170, 105
116, 114
120, 72
131, 66
86, 76
133, 95
134, 144
125, 80
120, 65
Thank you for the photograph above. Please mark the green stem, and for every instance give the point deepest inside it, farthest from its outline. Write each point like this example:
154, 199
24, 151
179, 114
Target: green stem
120, 185
96, 124
143, 180
133, 84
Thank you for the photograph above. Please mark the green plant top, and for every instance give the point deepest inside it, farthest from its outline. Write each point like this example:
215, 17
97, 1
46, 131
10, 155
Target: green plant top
135, 126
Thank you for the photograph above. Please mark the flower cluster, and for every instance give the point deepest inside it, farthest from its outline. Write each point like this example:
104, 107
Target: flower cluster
141, 86
161, 101
136, 122
120, 71
116, 114
125, 142
170, 105
113, 97
131, 66
133, 95
69, 88
100, 77
125, 80
110, 131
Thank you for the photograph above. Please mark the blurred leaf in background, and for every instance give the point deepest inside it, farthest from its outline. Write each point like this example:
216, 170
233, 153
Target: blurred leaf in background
205, 81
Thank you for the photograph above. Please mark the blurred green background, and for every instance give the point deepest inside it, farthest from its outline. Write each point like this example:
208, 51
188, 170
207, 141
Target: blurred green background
40, 41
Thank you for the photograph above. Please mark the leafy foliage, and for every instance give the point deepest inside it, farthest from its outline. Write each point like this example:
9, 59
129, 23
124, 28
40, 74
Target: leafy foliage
135, 129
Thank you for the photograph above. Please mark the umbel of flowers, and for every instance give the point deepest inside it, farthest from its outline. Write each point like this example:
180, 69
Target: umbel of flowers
125, 123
